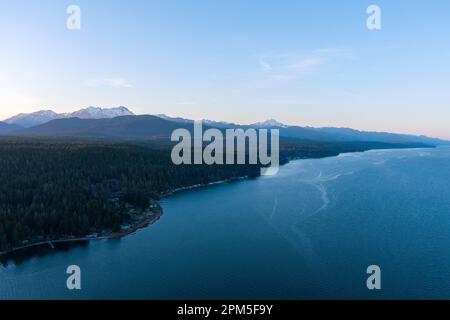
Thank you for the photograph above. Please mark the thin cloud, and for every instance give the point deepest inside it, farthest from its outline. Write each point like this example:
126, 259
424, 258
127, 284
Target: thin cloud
266, 67
108, 82
306, 65
293, 65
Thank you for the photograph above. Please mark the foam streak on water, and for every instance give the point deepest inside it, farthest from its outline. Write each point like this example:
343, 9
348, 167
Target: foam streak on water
309, 232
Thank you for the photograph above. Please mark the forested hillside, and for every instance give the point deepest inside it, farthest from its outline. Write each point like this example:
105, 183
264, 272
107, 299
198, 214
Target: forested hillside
61, 189
56, 189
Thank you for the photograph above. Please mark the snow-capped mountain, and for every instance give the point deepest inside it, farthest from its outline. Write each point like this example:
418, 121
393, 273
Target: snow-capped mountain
269, 124
99, 113
219, 124
174, 119
28, 120
161, 127
206, 122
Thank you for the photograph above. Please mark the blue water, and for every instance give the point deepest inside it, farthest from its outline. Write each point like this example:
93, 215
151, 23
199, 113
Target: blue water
309, 232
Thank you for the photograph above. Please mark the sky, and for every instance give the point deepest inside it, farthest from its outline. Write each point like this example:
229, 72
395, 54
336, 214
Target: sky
304, 62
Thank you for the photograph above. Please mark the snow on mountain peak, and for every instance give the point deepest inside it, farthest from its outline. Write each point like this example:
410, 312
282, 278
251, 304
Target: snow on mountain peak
99, 113
27, 120
269, 123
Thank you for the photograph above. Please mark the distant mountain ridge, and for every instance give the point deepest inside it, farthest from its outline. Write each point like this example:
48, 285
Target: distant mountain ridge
6, 128
211, 123
27, 120
121, 123
271, 123
124, 127
322, 134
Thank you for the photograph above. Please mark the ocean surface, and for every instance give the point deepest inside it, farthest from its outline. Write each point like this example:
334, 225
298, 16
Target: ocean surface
309, 232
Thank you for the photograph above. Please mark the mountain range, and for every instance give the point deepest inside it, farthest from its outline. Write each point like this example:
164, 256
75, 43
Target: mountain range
6, 128
121, 123
320, 134
27, 120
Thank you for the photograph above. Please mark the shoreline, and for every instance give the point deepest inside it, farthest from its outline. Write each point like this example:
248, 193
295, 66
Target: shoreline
146, 222
153, 218
149, 220
50, 243
200, 186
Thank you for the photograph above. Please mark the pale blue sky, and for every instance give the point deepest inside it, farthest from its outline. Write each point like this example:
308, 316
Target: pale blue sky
300, 62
